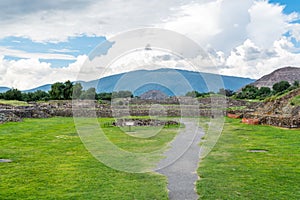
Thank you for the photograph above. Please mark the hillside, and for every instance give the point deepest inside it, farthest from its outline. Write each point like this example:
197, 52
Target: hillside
289, 74
42, 88
169, 81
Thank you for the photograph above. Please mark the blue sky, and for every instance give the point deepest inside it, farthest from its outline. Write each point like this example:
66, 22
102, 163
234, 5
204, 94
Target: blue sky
44, 42
290, 5
73, 47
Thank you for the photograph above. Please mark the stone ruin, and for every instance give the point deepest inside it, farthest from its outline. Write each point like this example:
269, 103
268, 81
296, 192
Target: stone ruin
278, 112
143, 122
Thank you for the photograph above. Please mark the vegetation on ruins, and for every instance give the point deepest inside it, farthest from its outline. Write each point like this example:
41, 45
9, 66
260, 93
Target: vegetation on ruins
253, 92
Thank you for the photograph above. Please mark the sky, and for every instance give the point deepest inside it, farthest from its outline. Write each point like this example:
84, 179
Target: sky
43, 42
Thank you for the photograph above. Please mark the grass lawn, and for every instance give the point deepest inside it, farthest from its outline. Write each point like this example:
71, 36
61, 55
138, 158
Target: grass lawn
50, 162
13, 102
233, 171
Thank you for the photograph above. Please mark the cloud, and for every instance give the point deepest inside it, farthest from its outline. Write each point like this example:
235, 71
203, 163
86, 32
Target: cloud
29, 73
198, 21
44, 22
23, 54
244, 38
249, 60
14, 9
268, 23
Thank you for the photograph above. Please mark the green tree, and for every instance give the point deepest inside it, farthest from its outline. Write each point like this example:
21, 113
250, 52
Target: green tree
57, 91
13, 94
248, 92
104, 96
281, 86
36, 96
77, 90
89, 94
122, 94
264, 92
68, 90
40, 95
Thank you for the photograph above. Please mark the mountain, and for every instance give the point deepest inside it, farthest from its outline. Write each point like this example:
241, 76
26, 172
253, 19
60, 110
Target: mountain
43, 88
169, 81
3, 89
289, 74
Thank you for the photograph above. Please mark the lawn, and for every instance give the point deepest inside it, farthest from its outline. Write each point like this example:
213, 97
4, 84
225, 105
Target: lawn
50, 162
13, 102
252, 162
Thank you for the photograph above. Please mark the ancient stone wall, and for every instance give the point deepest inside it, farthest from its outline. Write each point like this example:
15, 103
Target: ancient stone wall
145, 108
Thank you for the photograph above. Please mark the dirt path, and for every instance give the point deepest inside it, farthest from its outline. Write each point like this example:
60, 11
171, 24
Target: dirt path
182, 174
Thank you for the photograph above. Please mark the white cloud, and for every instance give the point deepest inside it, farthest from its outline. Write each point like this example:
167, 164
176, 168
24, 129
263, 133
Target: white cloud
198, 21
249, 60
23, 54
100, 18
268, 23
29, 73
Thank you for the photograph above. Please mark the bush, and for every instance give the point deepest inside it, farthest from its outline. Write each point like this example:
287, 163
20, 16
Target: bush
281, 86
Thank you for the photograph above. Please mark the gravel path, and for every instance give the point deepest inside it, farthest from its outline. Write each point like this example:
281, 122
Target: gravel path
182, 173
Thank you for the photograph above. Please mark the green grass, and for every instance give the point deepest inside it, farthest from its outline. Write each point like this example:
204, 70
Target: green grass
231, 172
50, 162
234, 108
13, 102
296, 101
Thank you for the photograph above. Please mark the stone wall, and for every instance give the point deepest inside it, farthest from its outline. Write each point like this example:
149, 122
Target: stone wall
92, 109
135, 107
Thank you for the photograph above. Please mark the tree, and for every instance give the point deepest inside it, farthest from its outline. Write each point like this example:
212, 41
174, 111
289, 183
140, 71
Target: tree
77, 90
248, 92
281, 86
36, 96
296, 84
264, 92
57, 91
193, 94
229, 92
225, 92
104, 96
61, 91
40, 95
68, 90
89, 94
13, 94
122, 94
